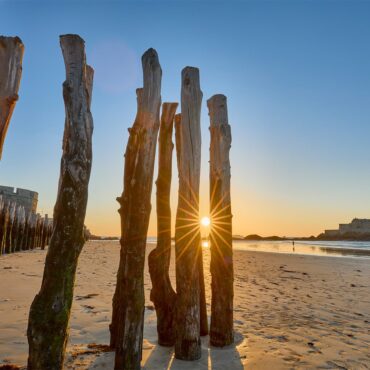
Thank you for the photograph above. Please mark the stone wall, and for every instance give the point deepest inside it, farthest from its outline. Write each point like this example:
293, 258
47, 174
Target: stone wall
23, 197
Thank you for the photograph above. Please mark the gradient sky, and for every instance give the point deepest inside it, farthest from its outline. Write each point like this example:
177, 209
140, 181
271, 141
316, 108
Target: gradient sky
296, 74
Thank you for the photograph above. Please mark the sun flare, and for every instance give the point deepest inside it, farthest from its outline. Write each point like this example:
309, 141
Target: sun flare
205, 221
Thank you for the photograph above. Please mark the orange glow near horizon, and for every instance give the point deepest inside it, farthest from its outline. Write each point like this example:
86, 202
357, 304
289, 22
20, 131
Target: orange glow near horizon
253, 213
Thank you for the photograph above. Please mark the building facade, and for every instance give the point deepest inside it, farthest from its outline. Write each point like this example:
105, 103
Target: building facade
358, 226
22, 197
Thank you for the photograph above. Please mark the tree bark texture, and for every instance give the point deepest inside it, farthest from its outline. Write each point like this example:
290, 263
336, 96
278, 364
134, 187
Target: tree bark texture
11, 55
162, 294
187, 234
128, 301
50, 311
221, 330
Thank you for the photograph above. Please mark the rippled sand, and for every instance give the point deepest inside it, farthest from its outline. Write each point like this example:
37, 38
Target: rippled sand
291, 312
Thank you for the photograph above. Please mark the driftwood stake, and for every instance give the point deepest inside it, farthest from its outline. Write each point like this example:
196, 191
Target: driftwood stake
187, 234
221, 331
162, 294
49, 315
128, 301
11, 55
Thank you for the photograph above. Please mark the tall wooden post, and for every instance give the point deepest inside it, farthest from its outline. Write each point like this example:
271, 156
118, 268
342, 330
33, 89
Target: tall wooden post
45, 225
187, 234
49, 315
162, 294
21, 229
128, 301
6, 215
11, 55
221, 331
27, 230
15, 228
2, 224
9, 232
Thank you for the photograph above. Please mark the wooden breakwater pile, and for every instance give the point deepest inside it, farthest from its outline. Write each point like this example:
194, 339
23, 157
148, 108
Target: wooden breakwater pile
22, 230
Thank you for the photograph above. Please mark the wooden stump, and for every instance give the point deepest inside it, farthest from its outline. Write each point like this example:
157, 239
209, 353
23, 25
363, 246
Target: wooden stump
49, 315
11, 55
162, 294
15, 228
6, 216
2, 224
45, 226
187, 235
21, 229
27, 231
128, 301
221, 330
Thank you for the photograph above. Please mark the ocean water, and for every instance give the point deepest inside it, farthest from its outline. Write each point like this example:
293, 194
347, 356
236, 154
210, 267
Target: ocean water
316, 248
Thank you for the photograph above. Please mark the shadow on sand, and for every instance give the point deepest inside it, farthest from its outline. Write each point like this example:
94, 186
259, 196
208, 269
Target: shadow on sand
227, 358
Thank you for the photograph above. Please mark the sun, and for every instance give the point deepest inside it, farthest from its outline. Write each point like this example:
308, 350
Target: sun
205, 221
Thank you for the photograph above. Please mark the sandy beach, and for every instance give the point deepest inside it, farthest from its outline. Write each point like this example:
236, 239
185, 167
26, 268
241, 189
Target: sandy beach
290, 312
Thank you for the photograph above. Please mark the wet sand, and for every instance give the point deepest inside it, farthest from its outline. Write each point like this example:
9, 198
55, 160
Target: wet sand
291, 312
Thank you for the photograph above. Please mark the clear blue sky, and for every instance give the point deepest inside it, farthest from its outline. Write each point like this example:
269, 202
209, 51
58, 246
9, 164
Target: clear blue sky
297, 78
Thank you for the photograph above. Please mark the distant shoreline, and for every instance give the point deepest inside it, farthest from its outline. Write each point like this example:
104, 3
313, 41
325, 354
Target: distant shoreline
321, 237
256, 237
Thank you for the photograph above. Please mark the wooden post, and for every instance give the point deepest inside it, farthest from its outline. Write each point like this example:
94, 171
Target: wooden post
32, 231
221, 331
27, 231
21, 228
2, 224
45, 225
11, 55
162, 294
187, 235
9, 232
49, 315
37, 231
6, 228
128, 302
15, 228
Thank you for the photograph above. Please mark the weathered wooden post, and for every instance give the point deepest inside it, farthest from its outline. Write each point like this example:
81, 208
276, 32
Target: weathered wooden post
38, 232
187, 234
162, 294
2, 224
26, 236
45, 225
9, 231
32, 231
50, 231
22, 223
221, 330
6, 227
49, 315
15, 229
128, 302
11, 55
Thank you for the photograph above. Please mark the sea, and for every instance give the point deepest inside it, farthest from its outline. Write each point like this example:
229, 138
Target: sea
315, 248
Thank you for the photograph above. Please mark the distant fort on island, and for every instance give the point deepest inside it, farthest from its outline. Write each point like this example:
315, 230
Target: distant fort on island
358, 226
